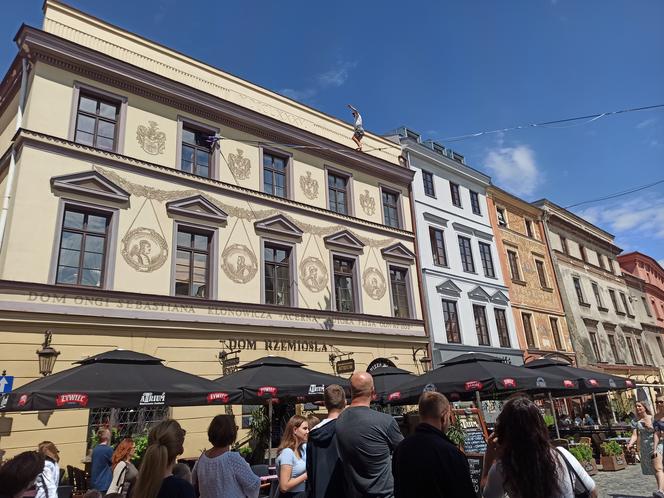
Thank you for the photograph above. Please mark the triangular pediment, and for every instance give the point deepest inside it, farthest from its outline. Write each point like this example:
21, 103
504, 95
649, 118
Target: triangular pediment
280, 226
398, 251
449, 288
500, 298
479, 294
197, 207
90, 184
344, 240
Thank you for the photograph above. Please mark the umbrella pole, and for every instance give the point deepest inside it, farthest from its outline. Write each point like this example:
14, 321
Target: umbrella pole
479, 406
555, 419
609, 397
599, 422
269, 444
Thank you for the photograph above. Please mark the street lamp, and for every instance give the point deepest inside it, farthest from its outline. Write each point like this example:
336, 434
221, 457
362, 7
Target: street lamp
47, 355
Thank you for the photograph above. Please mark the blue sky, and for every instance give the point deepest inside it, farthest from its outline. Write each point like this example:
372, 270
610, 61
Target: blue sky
450, 68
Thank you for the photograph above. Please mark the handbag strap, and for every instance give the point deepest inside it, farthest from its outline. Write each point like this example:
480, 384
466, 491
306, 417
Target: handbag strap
121, 476
571, 470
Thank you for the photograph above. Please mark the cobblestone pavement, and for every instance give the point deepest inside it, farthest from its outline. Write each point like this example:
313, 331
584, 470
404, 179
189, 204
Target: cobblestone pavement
627, 483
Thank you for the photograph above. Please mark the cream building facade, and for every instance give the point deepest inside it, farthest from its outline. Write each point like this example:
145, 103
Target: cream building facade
149, 203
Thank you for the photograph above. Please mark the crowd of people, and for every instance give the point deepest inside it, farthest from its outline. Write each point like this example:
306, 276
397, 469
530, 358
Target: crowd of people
356, 452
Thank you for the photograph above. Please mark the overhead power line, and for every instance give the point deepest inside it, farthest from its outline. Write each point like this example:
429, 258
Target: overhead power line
617, 194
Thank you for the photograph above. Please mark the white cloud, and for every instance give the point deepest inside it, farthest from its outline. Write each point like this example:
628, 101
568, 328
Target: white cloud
661, 263
646, 123
332, 78
514, 168
301, 95
643, 216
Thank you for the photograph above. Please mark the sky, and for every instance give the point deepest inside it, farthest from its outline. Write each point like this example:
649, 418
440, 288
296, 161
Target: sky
450, 68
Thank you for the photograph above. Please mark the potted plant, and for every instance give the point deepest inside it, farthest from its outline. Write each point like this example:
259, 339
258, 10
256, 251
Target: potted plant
455, 434
584, 454
612, 457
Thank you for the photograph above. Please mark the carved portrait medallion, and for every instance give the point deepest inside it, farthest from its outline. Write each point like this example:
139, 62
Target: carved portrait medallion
313, 274
144, 249
368, 203
240, 166
309, 186
373, 282
239, 263
151, 139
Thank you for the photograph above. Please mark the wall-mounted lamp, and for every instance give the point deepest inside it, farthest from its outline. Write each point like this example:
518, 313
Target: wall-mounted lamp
47, 355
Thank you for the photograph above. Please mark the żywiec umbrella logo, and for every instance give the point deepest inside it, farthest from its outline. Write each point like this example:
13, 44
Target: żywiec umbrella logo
220, 397
152, 399
71, 399
394, 396
316, 389
262, 391
539, 382
592, 382
511, 383
568, 383
23, 400
473, 385
629, 383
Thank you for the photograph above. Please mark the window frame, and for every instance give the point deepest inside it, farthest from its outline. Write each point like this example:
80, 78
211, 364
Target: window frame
630, 348
110, 248
624, 300
660, 344
350, 205
540, 267
428, 174
563, 244
121, 123
488, 258
528, 330
579, 291
409, 290
479, 333
475, 203
642, 351
555, 332
446, 304
215, 152
464, 260
614, 301
614, 347
357, 288
455, 195
501, 212
213, 259
293, 292
434, 249
388, 190
594, 343
598, 296
646, 307
530, 232
503, 336
513, 264
288, 157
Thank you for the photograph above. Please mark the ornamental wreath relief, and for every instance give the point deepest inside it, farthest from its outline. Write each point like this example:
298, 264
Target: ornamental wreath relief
368, 203
239, 165
309, 186
151, 139
313, 274
144, 249
239, 263
373, 283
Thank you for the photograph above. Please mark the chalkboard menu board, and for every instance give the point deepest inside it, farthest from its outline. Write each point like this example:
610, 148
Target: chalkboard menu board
473, 429
476, 463
475, 441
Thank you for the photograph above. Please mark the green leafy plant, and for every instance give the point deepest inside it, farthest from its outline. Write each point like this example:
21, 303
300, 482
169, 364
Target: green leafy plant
582, 452
455, 433
611, 448
548, 420
140, 444
245, 451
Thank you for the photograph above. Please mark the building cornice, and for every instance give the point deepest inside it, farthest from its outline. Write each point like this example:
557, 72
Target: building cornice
59, 52
514, 203
444, 163
177, 177
580, 233
10, 84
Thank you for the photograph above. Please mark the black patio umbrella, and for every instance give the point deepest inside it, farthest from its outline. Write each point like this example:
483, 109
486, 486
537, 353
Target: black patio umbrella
117, 379
590, 381
387, 379
470, 374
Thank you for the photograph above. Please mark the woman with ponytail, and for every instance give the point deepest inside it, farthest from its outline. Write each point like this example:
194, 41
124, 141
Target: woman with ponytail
155, 478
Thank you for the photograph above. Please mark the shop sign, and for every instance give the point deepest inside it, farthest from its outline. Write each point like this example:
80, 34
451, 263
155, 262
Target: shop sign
278, 344
511, 383
345, 366
218, 397
149, 399
568, 383
316, 389
272, 391
378, 363
70, 399
473, 385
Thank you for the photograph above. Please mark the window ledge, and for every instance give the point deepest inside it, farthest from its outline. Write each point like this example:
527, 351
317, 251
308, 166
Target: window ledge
630, 315
587, 305
432, 196
547, 289
621, 313
471, 272
519, 282
602, 308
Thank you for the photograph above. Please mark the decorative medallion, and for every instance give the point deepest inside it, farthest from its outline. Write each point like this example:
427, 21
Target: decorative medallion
313, 274
373, 283
368, 203
309, 186
144, 249
151, 139
240, 166
239, 263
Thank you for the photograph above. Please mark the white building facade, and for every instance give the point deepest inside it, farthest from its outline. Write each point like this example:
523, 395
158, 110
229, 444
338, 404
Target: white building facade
467, 301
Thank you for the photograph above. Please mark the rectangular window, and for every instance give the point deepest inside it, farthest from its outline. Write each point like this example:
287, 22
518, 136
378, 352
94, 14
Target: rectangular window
337, 192
466, 255
277, 275
391, 209
475, 202
654, 305
275, 175
400, 299
598, 297
609, 265
82, 254
192, 265
541, 273
455, 194
427, 180
96, 121
438, 247
614, 301
563, 244
344, 289
623, 298
630, 346
660, 343
556, 334
502, 218
451, 321
642, 350
579, 290
595, 345
645, 306
528, 329
501, 325
481, 325
614, 348
487, 260
600, 259
196, 151
529, 229
513, 261
584, 256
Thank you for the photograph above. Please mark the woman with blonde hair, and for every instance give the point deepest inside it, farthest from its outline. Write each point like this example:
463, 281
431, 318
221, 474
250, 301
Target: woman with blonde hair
124, 472
292, 459
47, 482
649, 451
155, 478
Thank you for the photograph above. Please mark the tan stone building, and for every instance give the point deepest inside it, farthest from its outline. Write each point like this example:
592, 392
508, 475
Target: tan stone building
150, 202
524, 256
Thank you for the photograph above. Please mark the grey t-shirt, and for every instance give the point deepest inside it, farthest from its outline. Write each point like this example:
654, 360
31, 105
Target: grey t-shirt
366, 439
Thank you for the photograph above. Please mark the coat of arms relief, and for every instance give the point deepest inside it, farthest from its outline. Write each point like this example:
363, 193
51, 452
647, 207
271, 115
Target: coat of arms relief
309, 186
368, 203
151, 139
239, 165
